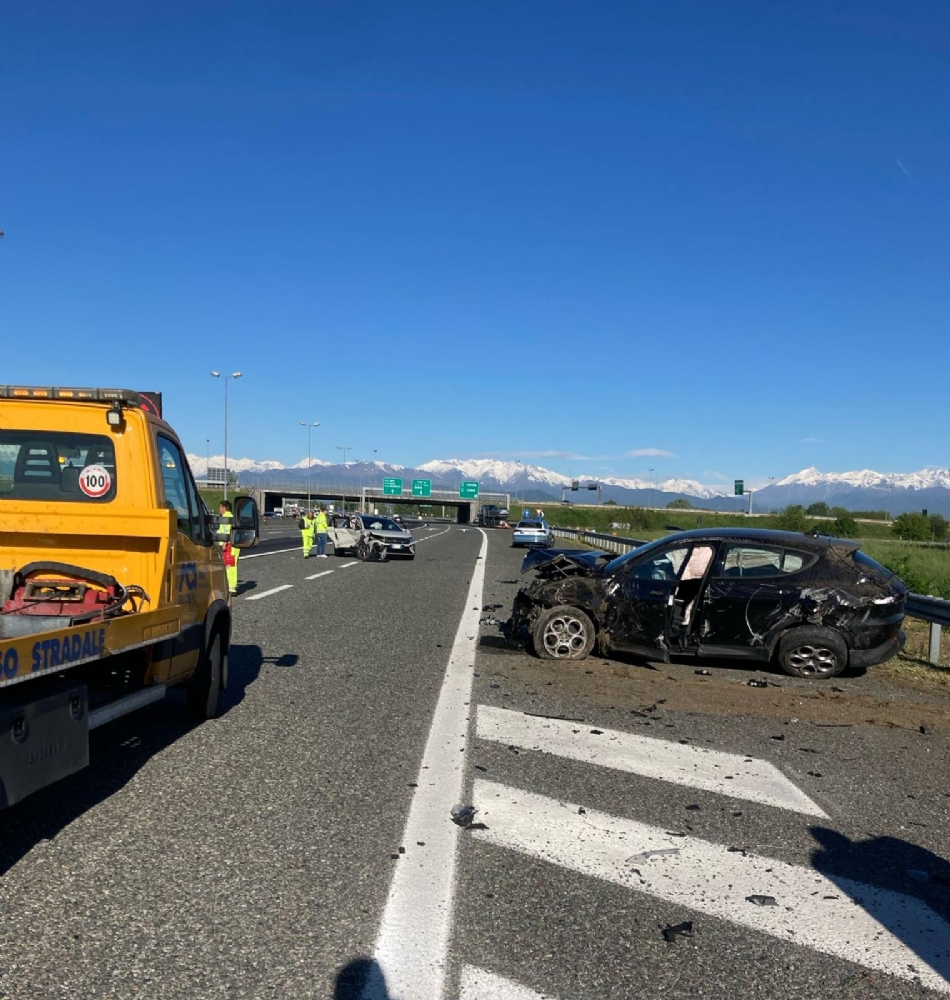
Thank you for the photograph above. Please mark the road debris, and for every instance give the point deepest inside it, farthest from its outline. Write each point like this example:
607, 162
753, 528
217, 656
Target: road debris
762, 900
671, 933
560, 718
490, 621
703, 673
757, 682
658, 852
463, 815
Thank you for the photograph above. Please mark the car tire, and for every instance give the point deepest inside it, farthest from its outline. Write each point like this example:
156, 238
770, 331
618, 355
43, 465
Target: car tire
563, 633
812, 652
204, 688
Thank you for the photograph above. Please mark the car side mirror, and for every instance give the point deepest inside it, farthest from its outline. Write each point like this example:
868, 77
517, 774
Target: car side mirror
247, 528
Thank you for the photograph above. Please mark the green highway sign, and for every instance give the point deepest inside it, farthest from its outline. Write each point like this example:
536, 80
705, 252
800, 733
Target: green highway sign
740, 487
422, 487
468, 491
392, 487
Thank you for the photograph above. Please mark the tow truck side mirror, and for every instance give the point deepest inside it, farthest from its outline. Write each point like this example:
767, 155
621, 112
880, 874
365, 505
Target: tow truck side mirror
247, 528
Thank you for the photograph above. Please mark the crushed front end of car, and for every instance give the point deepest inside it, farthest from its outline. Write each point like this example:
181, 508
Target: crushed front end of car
551, 577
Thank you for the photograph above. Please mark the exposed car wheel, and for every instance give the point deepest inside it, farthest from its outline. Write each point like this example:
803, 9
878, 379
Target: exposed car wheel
812, 652
204, 688
563, 633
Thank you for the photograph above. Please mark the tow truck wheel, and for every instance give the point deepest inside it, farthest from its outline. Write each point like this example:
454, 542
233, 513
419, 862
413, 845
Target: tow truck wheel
563, 633
204, 690
812, 651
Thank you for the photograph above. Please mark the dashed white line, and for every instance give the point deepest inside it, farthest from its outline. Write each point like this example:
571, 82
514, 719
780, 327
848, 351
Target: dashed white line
877, 928
276, 552
414, 934
316, 576
267, 593
349, 564
696, 767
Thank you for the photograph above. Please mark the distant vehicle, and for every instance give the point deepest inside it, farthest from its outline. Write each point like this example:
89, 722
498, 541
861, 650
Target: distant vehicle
532, 533
278, 512
817, 605
492, 516
370, 536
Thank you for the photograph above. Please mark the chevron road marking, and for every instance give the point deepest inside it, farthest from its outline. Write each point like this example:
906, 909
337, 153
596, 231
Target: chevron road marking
876, 928
711, 770
477, 984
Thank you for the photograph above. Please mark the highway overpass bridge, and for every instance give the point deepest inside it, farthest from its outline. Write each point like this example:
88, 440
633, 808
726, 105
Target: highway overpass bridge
361, 497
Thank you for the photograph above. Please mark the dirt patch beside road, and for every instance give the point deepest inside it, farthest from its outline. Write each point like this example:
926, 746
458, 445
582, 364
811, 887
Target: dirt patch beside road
880, 699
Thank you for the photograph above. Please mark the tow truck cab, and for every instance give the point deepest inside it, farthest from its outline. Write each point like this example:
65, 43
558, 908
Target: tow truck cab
112, 582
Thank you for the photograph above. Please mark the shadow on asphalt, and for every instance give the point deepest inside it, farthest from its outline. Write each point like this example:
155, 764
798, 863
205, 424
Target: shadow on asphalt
361, 979
117, 752
885, 863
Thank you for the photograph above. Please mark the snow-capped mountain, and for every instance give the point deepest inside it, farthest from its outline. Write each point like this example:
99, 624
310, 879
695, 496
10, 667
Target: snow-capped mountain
494, 470
199, 464
860, 490
867, 479
896, 492
517, 475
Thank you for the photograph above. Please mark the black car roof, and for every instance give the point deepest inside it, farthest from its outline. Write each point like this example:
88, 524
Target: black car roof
792, 539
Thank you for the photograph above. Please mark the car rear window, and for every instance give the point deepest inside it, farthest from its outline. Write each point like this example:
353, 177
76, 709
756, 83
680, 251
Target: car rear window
866, 562
746, 561
530, 524
56, 466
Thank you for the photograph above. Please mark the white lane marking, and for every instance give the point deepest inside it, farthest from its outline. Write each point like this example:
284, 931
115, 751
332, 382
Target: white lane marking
711, 770
430, 537
276, 552
477, 984
267, 593
414, 933
349, 564
877, 928
316, 576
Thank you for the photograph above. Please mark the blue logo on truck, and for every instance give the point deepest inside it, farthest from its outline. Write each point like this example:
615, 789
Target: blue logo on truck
62, 652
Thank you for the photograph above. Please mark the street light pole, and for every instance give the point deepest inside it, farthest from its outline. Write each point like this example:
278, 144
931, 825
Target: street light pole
651, 489
226, 377
310, 427
208, 459
340, 447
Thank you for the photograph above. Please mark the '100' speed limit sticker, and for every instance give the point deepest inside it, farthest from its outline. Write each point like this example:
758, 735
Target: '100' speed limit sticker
95, 481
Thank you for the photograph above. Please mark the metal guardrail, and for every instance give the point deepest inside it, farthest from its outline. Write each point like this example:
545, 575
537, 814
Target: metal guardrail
934, 610
610, 543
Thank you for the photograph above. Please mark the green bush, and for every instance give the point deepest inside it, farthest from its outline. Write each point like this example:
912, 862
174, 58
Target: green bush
820, 509
845, 527
793, 519
912, 528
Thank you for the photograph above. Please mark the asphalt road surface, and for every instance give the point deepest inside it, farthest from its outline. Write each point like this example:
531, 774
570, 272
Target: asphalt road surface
301, 845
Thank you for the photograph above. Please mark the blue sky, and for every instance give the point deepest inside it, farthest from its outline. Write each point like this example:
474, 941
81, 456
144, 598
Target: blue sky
536, 230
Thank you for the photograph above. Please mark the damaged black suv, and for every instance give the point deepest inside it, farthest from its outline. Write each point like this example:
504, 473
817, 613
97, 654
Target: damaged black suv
815, 604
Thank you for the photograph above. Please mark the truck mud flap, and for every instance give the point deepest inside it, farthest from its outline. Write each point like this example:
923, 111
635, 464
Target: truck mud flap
42, 739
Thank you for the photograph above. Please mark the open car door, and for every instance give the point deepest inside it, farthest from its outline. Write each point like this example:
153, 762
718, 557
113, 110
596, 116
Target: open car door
342, 533
655, 600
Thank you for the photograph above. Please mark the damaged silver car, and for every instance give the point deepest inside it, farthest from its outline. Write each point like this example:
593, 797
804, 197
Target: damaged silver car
371, 537
817, 605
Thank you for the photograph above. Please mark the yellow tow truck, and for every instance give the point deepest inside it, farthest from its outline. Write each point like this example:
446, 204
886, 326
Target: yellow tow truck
112, 580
